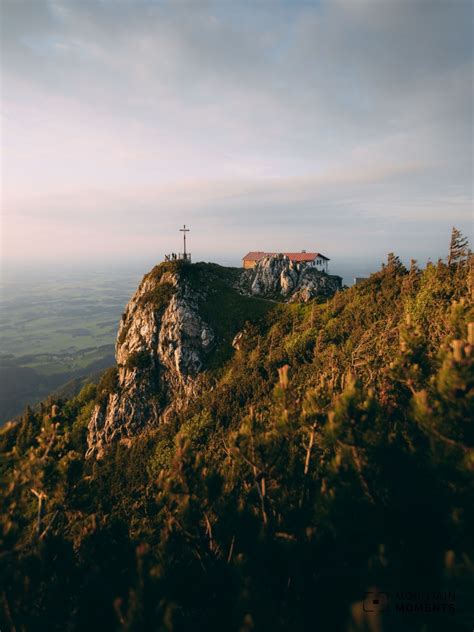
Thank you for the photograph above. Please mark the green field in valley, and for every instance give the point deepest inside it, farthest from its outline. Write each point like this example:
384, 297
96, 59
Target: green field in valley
54, 330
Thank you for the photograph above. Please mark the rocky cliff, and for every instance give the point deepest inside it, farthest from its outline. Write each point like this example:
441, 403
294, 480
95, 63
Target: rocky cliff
277, 277
180, 316
160, 347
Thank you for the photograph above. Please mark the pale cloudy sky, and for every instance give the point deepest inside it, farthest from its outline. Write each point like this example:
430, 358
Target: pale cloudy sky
340, 126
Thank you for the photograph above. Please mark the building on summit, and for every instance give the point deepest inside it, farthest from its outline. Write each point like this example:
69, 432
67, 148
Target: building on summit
312, 259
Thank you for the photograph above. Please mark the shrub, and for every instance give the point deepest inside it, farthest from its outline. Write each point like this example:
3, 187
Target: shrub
139, 360
108, 384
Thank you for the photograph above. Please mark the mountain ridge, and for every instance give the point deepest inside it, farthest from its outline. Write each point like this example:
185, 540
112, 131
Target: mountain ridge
164, 340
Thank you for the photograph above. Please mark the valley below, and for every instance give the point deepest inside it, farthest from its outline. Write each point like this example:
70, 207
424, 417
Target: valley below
57, 330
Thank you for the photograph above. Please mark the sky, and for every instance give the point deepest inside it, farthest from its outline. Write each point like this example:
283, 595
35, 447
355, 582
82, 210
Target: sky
343, 127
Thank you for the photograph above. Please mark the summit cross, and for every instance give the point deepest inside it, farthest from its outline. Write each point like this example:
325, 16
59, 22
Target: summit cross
184, 230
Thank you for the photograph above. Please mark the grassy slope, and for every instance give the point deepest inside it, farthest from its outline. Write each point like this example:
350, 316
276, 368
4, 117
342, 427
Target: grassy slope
222, 307
357, 331
385, 496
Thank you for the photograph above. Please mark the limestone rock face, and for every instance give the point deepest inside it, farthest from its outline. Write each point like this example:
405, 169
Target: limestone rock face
278, 277
160, 347
182, 339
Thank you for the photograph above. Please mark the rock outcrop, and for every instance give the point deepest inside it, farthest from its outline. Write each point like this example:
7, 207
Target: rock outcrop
276, 276
160, 349
163, 340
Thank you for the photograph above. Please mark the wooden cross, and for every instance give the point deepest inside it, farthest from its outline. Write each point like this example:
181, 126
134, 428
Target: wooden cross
184, 230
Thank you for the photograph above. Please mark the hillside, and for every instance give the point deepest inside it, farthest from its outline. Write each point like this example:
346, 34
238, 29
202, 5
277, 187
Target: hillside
257, 460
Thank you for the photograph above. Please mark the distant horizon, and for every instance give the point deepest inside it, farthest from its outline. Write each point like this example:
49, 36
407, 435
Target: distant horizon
346, 266
234, 255
421, 250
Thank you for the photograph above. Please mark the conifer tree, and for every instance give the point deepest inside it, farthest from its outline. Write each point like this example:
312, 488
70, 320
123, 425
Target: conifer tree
394, 264
458, 248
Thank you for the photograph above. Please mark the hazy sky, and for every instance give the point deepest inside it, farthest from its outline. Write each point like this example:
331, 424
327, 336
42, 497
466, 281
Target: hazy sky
344, 127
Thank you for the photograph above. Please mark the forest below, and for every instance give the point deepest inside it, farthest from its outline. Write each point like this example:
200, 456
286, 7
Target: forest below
329, 458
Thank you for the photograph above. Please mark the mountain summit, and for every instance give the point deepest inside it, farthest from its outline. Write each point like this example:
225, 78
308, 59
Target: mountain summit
180, 318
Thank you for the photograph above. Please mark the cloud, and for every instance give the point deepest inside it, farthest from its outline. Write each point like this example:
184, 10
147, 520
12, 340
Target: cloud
328, 119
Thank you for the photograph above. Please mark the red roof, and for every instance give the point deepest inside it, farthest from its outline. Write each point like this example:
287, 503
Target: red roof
294, 256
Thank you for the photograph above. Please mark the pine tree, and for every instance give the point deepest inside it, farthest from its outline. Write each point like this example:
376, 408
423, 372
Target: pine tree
394, 264
458, 248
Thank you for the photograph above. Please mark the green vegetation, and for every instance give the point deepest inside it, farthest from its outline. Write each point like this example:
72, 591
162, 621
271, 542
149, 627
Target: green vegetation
158, 297
138, 360
108, 384
221, 306
330, 454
